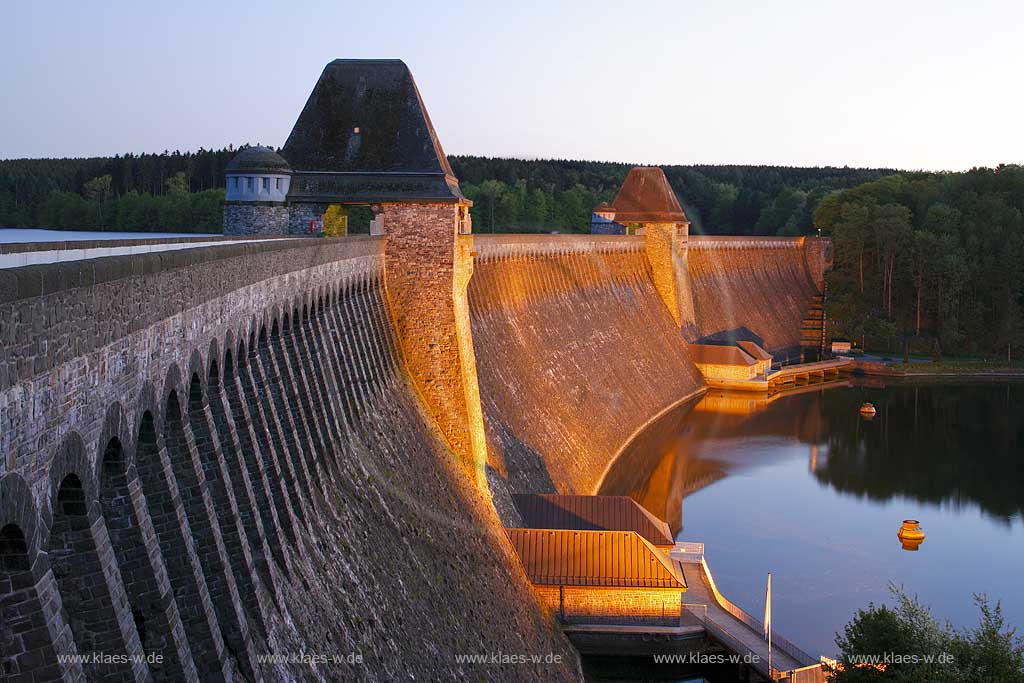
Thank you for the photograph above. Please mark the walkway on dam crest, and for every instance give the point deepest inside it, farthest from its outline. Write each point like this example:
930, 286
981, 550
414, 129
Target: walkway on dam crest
20, 254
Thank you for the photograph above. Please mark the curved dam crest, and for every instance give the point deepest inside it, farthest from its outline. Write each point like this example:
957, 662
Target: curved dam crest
228, 432
575, 351
232, 444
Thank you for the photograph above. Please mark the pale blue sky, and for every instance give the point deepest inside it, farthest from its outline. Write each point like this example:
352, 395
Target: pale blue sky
933, 85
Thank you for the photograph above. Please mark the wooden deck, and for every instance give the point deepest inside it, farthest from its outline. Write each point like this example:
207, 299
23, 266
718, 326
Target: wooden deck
806, 372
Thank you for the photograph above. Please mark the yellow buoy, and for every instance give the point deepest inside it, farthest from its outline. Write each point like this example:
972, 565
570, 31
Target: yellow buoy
910, 534
867, 411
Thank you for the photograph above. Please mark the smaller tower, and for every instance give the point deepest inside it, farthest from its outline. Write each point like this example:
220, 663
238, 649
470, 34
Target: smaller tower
647, 205
258, 180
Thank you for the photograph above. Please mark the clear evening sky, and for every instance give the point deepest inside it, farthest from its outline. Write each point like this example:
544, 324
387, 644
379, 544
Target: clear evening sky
916, 85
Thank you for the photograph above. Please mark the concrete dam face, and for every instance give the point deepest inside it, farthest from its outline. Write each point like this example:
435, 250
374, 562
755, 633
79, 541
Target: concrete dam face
215, 454
760, 287
575, 352
218, 455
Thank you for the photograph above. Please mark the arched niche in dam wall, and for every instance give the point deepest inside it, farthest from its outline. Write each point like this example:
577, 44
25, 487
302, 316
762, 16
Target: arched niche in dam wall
575, 351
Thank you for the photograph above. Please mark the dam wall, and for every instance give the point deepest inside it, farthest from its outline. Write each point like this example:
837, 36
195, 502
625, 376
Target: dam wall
762, 286
575, 352
216, 455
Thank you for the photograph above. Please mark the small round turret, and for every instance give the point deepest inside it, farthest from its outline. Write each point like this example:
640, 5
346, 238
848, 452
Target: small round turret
258, 174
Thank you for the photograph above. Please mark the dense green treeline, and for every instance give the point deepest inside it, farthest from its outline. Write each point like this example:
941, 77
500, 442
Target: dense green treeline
929, 262
511, 195
515, 195
924, 262
172, 191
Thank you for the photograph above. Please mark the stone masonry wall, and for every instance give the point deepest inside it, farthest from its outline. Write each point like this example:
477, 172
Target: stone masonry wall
575, 352
666, 246
232, 440
760, 285
427, 268
255, 219
589, 605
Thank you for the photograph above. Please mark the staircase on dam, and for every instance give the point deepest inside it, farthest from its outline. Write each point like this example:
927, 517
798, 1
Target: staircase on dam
812, 329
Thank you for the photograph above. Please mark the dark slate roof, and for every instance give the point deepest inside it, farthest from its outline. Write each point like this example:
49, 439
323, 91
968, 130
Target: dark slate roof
647, 197
379, 97
258, 160
593, 558
591, 513
365, 136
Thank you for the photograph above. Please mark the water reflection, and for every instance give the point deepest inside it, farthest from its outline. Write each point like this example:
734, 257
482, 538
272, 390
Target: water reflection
954, 445
801, 485
951, 444
676, 456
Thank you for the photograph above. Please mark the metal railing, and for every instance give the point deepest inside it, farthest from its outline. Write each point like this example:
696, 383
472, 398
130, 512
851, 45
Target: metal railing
778, 642
687, 552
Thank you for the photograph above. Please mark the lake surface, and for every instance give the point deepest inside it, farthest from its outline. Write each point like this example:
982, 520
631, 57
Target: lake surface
12, 235
803, 487
65, 253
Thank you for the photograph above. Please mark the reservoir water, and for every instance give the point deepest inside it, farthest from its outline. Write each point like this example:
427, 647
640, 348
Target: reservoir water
802, 486
14, 235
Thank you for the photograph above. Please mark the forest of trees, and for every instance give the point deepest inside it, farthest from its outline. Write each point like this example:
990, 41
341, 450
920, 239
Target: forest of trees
929, 262
169, 192
514, 195
145, 192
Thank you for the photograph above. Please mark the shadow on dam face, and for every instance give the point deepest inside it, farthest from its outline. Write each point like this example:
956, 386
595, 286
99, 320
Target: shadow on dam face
394, 553
286, 483
575, 352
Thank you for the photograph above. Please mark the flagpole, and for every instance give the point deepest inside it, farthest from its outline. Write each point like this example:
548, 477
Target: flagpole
768, 620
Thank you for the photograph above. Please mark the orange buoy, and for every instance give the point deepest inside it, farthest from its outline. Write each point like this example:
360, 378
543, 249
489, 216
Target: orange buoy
867, 411
910, 534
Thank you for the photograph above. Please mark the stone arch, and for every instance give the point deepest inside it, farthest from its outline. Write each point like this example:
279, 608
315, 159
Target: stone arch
190, 476
280, 435
197, 369
24, 588
237, 435
163, 505
212, 358
21, 654
260, 459
217, 474
78, 566
150, 611
17, 507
